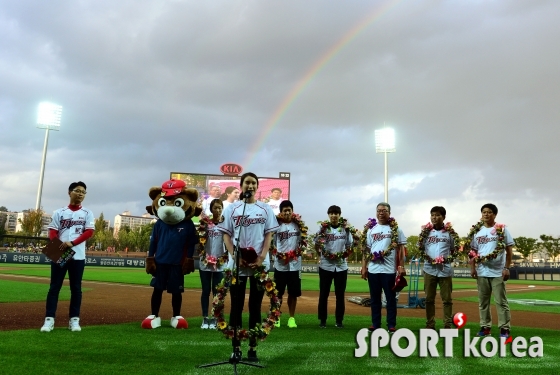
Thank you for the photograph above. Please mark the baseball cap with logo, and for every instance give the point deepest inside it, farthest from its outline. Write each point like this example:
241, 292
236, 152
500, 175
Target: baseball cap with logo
172, 187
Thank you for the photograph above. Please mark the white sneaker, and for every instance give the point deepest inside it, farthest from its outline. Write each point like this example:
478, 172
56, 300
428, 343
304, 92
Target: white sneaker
48, 325
151, 322
74, 325
179, 322
205, 323
212, 323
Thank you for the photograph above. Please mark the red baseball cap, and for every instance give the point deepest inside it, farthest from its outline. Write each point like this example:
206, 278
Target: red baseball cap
172, 187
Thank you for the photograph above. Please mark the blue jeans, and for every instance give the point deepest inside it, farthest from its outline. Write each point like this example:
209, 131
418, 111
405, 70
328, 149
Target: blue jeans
209, 280
378, 282
75, 269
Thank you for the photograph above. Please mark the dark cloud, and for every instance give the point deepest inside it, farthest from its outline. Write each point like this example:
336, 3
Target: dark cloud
471, 90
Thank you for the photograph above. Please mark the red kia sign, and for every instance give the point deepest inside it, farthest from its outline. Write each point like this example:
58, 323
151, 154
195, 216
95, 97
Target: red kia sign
231, 169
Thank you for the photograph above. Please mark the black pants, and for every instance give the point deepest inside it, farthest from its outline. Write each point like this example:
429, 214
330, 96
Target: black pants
238, 302
75, 269
382, 283
325, 280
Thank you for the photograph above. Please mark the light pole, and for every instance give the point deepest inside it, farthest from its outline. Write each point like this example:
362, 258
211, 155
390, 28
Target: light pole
385, 142
49, 119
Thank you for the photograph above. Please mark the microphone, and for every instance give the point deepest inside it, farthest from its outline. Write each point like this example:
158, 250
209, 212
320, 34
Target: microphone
247, 194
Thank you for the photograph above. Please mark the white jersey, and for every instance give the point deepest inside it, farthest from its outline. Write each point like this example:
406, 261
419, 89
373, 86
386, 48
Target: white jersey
485, 241
206, 206
250, 229
225, 204
378, 239
287, 238
438, 243
336, 241
70, 225
275, 205
215, 247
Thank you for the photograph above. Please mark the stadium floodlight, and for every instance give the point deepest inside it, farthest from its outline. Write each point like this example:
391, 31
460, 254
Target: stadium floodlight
385, 143
48, 118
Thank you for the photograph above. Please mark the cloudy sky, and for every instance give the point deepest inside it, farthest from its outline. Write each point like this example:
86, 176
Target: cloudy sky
471, 89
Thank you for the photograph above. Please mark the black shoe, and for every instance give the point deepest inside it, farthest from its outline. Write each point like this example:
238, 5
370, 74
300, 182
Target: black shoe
323, 324
252, 356
339, 325
236, 356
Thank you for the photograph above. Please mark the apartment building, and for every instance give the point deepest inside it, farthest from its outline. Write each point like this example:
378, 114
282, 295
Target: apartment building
20, 215
126, 219
11, 221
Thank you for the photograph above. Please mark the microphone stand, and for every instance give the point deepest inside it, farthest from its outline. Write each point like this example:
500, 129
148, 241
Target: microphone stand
235, 357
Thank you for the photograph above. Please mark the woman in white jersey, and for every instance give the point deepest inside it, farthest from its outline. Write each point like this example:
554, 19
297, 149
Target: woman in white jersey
231, 195
248, 225
213, 259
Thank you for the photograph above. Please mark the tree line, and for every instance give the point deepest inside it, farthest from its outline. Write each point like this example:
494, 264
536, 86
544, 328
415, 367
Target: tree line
137, 239
526, 246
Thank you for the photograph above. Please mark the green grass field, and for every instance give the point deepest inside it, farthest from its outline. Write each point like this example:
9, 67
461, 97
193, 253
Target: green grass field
127, 349
547, 295
22, 291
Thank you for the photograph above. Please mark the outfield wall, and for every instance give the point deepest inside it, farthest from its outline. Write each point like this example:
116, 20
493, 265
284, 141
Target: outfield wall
30, 258
551, 271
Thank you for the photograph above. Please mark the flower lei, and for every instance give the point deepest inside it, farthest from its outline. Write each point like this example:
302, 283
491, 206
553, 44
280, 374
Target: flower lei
424, 234
500, 246
379, 256
202, 231
261, 331
321, 239
302, 246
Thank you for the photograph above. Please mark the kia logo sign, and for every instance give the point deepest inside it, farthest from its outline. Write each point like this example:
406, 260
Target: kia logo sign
231, 169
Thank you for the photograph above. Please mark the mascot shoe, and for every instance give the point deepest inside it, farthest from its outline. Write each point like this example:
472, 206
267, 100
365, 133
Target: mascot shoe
151, 322
179, 322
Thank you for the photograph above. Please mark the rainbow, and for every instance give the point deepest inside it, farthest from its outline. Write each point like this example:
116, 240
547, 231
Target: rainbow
310, 74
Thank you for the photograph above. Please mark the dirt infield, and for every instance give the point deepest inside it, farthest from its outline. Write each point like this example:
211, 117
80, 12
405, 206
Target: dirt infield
109, 303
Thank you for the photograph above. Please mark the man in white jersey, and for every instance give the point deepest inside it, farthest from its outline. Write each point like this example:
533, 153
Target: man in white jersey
380, 271
287, 265
73, 225
248, 225
439, 243
336, 240
492, 246
275, 200
215, 192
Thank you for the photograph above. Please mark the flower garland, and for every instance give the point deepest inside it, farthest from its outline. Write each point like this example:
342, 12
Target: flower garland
302, 245
500, 246
321, 239
202, 231
261, 331
379, 256
425, 233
